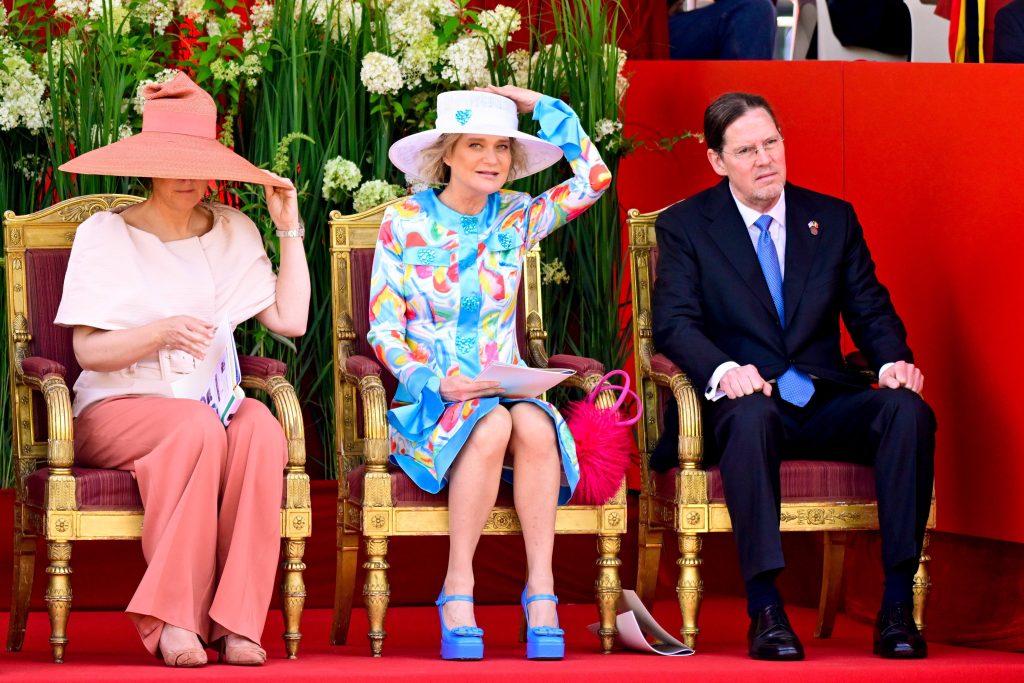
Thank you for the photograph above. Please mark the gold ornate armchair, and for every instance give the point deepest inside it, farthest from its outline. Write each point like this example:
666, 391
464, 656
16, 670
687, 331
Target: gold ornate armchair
832, 497
378, 501
62, 503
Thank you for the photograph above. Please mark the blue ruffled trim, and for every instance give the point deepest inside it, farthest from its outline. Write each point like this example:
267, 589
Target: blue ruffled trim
559, 125
416, 420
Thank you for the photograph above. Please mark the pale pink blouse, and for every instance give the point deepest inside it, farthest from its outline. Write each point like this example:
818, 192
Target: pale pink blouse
121, 277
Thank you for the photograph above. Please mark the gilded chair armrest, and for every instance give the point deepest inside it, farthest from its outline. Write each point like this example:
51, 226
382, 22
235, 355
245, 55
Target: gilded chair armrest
260, 368
36, 369
667, 374
267, 375
47, 377
361, 366
376, 439
588, 371
857, 362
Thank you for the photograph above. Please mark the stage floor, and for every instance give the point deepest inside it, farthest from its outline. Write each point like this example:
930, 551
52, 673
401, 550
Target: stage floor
103, 647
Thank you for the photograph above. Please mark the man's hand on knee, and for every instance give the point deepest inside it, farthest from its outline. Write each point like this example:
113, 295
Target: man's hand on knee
902, 374
744, 381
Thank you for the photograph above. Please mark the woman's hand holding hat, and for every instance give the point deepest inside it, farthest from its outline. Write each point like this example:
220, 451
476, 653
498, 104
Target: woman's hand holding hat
283, 204
525, 99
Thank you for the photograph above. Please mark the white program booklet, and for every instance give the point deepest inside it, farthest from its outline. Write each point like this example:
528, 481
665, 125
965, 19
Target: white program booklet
518, 381
216, 379
639, 631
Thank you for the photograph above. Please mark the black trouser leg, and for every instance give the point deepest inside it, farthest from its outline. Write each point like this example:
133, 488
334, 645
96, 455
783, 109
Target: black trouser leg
747, 436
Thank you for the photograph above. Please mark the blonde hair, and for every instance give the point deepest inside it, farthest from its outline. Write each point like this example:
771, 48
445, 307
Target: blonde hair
434, 170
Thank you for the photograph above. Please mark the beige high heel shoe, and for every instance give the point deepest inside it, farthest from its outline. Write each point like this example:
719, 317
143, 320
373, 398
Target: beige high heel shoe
244, 654
188, 658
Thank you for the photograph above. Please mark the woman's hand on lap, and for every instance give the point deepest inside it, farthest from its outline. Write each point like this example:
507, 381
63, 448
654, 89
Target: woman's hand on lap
184, 333
459, 388
525, 99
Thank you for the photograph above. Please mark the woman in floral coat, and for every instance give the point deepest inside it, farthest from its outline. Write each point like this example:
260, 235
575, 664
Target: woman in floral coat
446, 274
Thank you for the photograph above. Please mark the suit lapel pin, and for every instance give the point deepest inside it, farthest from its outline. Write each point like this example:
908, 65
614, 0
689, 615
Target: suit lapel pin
813, 227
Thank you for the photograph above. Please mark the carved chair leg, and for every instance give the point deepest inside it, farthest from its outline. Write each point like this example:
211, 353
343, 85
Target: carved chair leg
376, 591
649, 557
24, 568
608, 588
922, 584
344, 584
690, 588
831, 582
293, 594
58, 596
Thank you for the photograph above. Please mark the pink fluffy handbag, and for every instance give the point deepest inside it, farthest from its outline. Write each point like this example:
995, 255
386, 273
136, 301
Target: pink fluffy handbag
604, 441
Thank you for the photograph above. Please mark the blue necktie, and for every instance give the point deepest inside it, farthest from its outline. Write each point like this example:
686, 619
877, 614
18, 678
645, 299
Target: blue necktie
794, 386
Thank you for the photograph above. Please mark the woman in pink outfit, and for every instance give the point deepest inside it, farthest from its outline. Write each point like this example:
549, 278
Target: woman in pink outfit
145, 288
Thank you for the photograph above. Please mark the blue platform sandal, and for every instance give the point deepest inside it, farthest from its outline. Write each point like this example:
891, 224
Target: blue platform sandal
461, 642
542, 642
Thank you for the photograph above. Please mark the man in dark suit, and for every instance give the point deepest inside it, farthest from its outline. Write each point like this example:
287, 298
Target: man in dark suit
753, 277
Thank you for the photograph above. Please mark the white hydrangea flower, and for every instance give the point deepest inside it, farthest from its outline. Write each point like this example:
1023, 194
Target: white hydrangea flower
621, 83
32, 166
465, 62
519, 61
213, 28
162, 77
605, 128
63, 51
419, 60
381, 74
340, 176
156, 13
501, 22
226, 70
251, 68
373, 193
22, 92
118, 12
124, 131
415, 184
192, 9
70, 9
261, 15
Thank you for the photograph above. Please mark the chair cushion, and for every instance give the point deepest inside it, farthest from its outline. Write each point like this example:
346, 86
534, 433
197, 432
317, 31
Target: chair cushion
802, 480
95, 489
406, 493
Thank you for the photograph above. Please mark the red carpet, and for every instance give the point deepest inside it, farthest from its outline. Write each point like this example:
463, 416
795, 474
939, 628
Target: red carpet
104, 647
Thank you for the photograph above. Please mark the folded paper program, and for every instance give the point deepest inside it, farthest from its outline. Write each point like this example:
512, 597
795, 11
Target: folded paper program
216, 379
639, 631
520, 381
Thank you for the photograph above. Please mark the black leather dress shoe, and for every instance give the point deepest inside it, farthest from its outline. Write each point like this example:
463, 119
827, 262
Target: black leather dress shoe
771, 637
896, 634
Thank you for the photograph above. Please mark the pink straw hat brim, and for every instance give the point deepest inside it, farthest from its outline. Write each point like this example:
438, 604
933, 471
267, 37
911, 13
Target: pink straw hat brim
169, 155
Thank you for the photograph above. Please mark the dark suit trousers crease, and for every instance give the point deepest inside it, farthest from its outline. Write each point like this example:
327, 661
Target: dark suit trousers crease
894, 430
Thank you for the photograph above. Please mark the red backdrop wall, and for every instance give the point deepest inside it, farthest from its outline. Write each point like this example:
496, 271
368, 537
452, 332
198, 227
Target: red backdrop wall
930, 156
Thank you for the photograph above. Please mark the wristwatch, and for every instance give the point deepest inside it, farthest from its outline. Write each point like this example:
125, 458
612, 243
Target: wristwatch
299, 232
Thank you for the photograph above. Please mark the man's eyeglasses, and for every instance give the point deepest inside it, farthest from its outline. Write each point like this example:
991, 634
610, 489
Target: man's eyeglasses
749, 154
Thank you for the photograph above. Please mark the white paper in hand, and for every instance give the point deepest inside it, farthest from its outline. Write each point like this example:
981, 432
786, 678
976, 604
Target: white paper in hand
215, 381
519, 381
639, 631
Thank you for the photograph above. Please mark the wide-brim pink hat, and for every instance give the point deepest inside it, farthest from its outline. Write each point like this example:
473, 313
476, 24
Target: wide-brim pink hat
178, 140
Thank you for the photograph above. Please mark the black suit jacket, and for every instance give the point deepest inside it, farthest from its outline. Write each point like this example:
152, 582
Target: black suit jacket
711, 303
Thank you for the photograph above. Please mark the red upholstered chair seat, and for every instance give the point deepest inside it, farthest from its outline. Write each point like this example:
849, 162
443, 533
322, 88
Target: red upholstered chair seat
406, 493
800, 479
94, 489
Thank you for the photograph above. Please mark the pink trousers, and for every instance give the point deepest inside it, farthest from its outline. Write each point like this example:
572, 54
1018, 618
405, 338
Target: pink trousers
211, 532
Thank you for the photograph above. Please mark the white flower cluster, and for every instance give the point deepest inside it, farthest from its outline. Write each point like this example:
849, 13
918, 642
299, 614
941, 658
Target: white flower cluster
261, 15
340, 176
70, 8
340, 17
124, 131
99, 8
501, 22
606, 128
375, 192
162, 77
156, 13
465, 62
411, 30
381, 74
32, 166
21, 91
192, 9
520, 62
